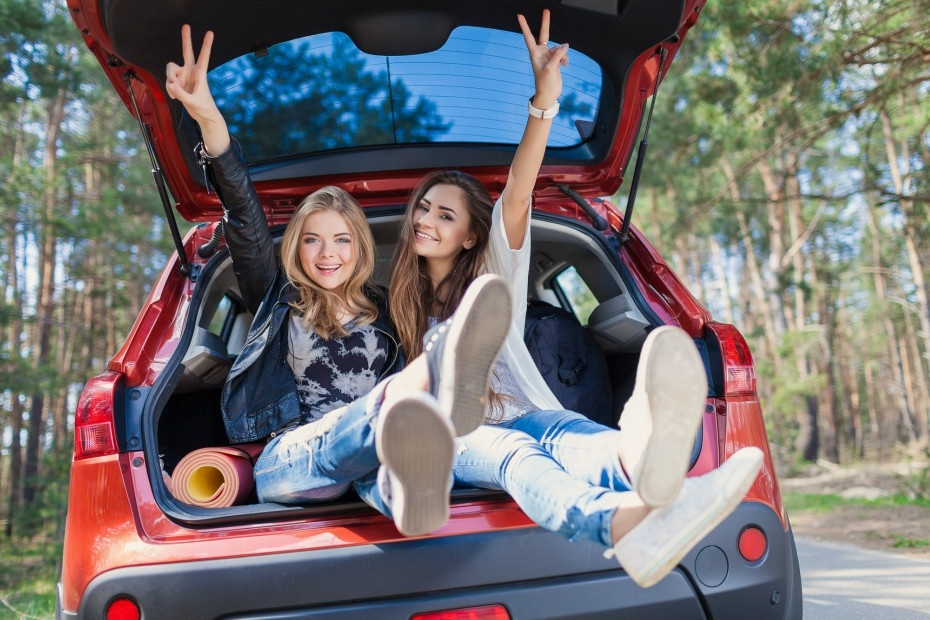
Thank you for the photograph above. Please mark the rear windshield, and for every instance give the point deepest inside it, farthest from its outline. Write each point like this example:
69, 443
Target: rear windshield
321, 93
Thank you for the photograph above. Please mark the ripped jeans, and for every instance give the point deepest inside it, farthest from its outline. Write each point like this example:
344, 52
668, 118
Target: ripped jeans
320, 460
561, 468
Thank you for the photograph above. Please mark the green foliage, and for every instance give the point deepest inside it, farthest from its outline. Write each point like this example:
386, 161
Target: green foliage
917, 484
909, 543
782, 131
30, 560
46, 513
28, 578
827, 502
814, 501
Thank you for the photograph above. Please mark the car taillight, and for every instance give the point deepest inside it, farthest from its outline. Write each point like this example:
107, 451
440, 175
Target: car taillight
739, 375
122, 609
486, 612
94, 428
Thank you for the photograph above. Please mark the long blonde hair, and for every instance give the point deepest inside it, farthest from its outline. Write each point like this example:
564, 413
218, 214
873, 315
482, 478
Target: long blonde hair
319, 307
411, 293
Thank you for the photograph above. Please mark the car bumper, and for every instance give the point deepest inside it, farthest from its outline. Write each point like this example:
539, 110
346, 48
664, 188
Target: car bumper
533, 573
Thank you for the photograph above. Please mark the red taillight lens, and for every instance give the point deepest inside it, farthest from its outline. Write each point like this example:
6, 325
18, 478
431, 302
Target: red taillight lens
487, 612
752, 544
739, 375
122, 609
94, 430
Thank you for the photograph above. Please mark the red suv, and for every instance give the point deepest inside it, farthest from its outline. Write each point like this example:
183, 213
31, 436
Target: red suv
370, 96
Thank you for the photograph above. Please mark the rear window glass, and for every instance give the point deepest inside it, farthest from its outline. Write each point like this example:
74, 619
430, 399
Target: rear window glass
321, 93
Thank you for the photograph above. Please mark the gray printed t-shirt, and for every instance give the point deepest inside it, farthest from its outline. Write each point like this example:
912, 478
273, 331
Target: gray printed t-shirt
332, 373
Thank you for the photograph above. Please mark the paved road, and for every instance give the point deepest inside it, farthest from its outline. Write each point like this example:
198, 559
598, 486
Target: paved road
844, 582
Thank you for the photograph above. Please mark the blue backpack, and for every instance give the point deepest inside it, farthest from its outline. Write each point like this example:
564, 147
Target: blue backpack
570, 361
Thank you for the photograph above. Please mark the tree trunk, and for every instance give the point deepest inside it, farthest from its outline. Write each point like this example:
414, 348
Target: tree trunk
45, 309
847, 363
825, 364
757, 287
913, 369
775, 210
722, 283
14, 337
875, 425
903, 183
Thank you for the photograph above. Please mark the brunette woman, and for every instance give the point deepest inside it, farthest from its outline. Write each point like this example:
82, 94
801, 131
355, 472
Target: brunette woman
624, 489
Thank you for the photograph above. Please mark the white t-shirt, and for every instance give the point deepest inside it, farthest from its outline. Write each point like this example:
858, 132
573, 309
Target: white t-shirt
513, 266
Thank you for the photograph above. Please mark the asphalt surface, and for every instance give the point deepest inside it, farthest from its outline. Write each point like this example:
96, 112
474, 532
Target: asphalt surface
844, 582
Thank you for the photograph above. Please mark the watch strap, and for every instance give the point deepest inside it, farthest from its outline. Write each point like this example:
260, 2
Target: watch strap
543, 114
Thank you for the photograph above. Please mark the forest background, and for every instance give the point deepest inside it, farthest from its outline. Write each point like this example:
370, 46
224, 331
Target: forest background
787, 181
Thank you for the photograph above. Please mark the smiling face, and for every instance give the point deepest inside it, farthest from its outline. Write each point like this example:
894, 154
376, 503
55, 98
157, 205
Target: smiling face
442, 225
327, 250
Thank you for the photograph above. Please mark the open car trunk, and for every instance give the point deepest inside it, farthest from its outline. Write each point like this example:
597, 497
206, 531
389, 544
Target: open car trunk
573, 268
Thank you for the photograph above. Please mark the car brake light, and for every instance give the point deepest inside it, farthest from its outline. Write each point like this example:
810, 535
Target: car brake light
739, 376
486, 612
94, 429
122, 609
752, 544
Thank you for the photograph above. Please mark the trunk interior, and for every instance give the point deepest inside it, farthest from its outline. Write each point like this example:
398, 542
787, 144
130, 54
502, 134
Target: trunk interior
572, 267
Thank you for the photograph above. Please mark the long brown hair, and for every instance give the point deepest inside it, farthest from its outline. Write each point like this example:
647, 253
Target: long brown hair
412, 297
320, 307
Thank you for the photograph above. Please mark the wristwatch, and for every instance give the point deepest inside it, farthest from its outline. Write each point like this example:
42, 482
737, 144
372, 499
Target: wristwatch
543, 114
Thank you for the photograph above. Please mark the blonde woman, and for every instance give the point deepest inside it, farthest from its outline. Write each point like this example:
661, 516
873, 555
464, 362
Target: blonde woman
315, 377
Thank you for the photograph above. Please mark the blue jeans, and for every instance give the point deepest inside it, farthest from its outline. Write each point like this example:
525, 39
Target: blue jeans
561, 468
319, 461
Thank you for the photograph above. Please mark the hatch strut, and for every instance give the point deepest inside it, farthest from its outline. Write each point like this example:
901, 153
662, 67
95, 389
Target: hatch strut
159, 177
624, 235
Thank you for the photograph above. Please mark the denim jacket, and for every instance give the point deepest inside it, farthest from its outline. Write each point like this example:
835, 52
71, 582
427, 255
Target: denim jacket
260, 394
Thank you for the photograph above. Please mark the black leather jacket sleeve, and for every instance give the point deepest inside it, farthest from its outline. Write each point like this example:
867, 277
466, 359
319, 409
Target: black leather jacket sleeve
245, 226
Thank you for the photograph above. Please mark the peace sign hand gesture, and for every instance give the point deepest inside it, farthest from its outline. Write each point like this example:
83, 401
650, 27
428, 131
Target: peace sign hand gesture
546, 61
188, 84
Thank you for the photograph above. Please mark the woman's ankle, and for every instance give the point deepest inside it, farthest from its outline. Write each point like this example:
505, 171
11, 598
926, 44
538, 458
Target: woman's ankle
631, 511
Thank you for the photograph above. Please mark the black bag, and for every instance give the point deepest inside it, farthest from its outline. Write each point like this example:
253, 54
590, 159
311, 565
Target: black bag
570, 361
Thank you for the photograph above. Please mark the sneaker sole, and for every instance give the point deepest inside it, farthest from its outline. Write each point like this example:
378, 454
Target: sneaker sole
473, 344
676, 401
654, 547
416, 445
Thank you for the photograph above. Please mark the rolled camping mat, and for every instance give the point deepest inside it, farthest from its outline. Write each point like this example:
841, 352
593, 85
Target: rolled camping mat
216, 477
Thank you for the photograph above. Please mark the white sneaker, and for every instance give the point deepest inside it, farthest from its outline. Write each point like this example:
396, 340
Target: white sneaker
660, 541
660, 422
415, 443
460, 352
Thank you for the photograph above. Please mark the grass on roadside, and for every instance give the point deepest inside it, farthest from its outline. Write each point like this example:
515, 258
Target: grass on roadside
900, 542
826, 502
28, 574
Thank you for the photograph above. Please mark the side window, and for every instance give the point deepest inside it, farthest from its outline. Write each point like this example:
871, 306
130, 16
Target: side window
222, 319
579, 296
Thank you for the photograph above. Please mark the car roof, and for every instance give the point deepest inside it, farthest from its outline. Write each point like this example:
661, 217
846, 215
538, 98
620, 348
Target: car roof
615, 44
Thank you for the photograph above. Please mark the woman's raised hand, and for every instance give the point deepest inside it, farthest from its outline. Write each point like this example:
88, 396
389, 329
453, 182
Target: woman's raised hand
546, 61
188, 84
547, 72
